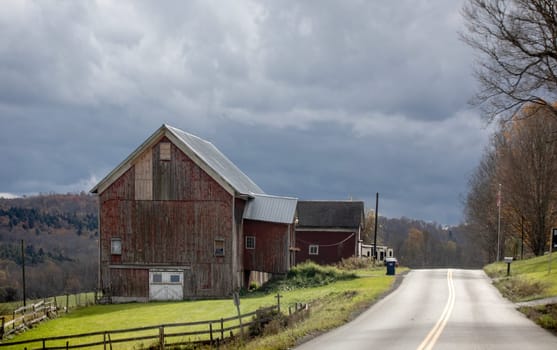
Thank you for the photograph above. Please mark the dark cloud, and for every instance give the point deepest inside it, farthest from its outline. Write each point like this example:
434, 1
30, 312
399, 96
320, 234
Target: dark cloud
316, 99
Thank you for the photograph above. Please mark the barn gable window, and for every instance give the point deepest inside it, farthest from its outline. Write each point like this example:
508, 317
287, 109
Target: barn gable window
250, 242
116, 246
164, 150
219, 247
313, 249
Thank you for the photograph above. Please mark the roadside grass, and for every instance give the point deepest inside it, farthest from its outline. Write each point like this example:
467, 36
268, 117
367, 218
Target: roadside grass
529, 280
544, 315
331, 306
333, 302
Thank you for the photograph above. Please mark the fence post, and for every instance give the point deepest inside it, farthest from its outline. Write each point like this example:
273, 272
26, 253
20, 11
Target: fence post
67, 302
109, 340
221, 329
211, 332
278, 296
161, 337
104, 341
44, 343
2, 330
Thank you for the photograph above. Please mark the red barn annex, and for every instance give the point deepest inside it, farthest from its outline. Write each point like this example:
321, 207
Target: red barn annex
328, 231
179, 220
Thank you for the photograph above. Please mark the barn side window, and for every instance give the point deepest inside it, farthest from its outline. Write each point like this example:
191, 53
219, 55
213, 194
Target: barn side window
174, 278
116, 246
157, 278
164, 151
313, 249
219, 247
250, 242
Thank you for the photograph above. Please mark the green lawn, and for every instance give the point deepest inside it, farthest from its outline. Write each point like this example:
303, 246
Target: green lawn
530, 278
331, 305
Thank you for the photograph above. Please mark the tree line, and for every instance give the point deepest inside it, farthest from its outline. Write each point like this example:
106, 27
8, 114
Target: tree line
511, 204
417, 243
512, 198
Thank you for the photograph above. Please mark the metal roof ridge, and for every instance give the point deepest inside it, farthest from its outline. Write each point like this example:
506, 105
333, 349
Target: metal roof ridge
173, 128
272, 196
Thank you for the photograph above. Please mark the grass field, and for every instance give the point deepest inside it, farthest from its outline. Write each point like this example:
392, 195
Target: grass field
530, 279
331, 305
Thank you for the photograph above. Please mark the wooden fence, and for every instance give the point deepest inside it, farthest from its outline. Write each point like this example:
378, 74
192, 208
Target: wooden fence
26, 316
212, 332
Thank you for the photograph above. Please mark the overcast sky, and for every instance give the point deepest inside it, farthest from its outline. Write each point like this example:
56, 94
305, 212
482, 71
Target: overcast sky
313, 99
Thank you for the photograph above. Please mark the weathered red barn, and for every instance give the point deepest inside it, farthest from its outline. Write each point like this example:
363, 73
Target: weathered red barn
179, 220
328, 231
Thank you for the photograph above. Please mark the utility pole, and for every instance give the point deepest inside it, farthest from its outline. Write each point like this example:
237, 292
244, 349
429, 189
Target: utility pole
499, 223
23, 272
375, 230
522, 239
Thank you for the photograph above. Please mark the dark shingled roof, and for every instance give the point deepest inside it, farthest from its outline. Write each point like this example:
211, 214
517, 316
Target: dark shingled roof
330, 214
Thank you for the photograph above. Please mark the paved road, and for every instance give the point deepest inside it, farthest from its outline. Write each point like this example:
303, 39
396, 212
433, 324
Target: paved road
442, 309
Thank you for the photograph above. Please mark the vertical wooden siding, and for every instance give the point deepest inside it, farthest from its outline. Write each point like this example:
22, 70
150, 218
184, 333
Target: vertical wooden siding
130, 282
271, 253
327, 254
178, 227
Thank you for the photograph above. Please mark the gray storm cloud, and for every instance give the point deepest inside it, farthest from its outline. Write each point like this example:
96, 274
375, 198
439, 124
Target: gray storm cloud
317, 99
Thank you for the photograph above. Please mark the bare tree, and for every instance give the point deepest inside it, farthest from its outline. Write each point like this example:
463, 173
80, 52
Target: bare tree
481, 203
523, 159
527, 166
517, 45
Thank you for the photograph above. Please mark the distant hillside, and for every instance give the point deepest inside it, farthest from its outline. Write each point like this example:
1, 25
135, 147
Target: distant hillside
60, 237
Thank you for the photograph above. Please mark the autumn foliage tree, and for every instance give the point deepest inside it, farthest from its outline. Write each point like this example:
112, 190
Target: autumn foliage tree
481, 208
523, 159
528, 167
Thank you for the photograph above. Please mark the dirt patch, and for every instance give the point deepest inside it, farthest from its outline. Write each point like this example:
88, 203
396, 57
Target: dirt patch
544, 315
520, 288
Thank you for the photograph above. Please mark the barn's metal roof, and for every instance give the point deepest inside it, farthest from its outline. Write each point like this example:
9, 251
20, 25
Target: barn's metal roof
263, 207
330, 214
214, 158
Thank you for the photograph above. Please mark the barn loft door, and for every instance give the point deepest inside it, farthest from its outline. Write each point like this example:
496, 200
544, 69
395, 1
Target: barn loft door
144, 177
166, 285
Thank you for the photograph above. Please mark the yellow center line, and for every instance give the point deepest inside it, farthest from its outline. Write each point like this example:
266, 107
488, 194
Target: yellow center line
436, 331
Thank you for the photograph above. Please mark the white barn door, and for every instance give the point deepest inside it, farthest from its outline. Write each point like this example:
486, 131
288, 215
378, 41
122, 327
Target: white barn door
166, 285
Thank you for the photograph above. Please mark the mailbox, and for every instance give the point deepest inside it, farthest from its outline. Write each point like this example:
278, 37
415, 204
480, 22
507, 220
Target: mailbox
508, 260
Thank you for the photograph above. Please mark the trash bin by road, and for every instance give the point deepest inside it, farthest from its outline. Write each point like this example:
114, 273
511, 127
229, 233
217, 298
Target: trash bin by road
391, 266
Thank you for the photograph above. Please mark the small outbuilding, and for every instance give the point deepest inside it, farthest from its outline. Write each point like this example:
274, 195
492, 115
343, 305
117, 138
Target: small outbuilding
328, 231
